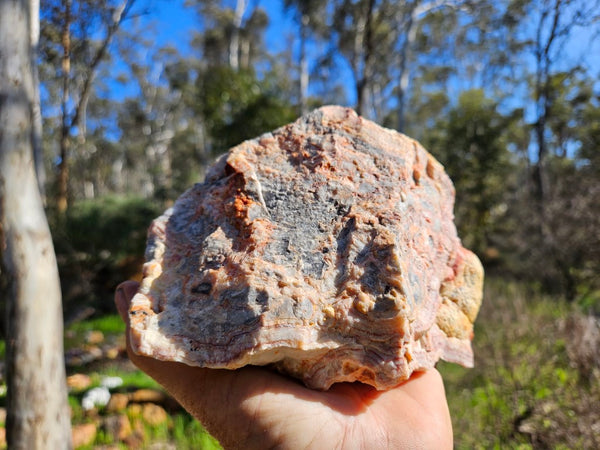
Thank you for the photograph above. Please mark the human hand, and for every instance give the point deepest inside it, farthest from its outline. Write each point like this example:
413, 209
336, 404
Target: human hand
255, 408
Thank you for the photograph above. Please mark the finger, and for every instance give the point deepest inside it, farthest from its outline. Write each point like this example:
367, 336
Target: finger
125, 291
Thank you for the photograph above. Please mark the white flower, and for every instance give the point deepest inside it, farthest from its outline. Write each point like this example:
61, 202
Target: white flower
111, 382
98, 396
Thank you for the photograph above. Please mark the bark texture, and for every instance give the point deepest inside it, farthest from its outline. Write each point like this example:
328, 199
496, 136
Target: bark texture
37, 410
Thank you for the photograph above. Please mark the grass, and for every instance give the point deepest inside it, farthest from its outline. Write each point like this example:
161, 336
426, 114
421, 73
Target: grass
189, 434
180, 429
525, 390
131, 380
110, 325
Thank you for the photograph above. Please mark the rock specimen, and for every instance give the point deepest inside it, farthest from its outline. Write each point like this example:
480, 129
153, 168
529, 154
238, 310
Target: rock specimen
326, 247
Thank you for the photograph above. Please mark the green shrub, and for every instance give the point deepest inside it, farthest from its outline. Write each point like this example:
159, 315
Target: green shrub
106, 228
524, 391
98, 244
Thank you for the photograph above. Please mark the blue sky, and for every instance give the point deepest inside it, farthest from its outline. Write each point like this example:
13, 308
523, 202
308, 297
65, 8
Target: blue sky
177, 22
174, 25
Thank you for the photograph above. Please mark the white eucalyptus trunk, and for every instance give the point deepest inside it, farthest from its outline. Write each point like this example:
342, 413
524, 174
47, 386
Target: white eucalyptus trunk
37, 410
409, 21
234, 44
304, 76
38, 151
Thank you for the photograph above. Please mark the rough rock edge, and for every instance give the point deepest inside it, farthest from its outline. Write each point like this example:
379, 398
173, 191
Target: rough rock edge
460, 299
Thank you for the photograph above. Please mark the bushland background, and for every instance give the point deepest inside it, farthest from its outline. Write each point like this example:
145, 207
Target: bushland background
506, 94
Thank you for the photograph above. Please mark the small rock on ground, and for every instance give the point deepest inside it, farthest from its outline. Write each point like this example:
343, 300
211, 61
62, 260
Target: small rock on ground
153, 414
83, 434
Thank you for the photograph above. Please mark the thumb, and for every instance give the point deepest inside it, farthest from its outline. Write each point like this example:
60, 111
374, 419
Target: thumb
125, 292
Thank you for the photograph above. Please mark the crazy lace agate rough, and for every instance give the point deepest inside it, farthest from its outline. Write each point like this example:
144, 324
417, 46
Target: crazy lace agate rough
326, 247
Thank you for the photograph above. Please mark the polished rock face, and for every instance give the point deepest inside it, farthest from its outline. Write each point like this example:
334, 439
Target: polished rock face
326, 247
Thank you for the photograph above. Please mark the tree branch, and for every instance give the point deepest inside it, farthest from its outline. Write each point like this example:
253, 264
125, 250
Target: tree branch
554, 30
119, 14
422, 9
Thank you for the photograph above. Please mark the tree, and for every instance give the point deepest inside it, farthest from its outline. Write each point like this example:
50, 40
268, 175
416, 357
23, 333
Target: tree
555, 21
568, 248
37, 413
230, 36
588, 133
472, 145
166, 156
409, 16
446, 47
38, 151
80, 54
234, 103
552, 207
363, 34
309, 14
236, 106
234, 43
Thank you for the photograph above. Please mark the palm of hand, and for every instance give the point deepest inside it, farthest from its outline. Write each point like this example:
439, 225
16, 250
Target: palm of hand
256, 408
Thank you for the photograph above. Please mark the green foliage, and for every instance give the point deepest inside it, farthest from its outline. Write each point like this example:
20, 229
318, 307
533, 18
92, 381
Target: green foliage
425, 114
131, 379
588, 133
524, 391
99, 244
569, 97
188, 165
188, 434
108, 324
111, 326
77, 413
471, 144
109, 227
561, 250
237, 105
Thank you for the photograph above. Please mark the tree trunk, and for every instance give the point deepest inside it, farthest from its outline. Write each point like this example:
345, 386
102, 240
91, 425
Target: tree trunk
404, 75
234, 43
38, 151
410, 20
543, 60
303, 87
77, 117
37, 410
63, 167
538, 168
366, 73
